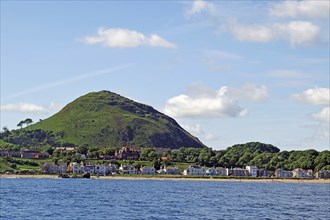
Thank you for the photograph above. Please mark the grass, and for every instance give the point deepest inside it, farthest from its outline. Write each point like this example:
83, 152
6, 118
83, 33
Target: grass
4, 166
28, 168
5, 144
20, 166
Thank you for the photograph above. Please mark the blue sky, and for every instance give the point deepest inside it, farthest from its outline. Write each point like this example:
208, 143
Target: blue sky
228, 72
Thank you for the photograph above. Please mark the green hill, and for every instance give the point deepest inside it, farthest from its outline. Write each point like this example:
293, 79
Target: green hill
108, 119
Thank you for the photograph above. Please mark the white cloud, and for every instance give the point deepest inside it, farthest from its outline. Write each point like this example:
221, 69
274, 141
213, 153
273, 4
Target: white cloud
197, 130
298, 32
317, 96
30, 108
247, 92
323, 115
124, 38
210, 137
54, 106
218, 106
220, 103
199, 6
254, 33
322, 132
194, 129
24, 108
305, 8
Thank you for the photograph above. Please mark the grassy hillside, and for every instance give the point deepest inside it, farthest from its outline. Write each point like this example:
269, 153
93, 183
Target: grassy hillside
4, 144
108, 119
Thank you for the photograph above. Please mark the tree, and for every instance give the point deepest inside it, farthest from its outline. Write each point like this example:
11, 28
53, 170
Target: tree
322, 160
204, 156
146, 153
49, 150
245, 158
5, 129
83, 149
93, 152
157, 164
28, 121
20, 124
137, 165
4, 133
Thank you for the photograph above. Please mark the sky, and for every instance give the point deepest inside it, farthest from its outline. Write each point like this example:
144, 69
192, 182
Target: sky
229, 72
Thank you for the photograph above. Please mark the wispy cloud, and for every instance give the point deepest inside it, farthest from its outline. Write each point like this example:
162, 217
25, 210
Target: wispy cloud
317, 96
304, 8
67, 81
291, 74
219, 60
198, 7
250, 32
124, 38
198, 131
297, 31
30, 108
323, 115
24, 108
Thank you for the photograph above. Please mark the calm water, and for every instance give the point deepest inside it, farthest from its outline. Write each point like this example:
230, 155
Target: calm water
160, 199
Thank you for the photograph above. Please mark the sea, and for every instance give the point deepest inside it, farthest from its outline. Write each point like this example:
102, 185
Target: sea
24, 198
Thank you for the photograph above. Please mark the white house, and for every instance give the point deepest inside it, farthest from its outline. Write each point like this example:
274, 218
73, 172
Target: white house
211, 171
127, 169
87, 167
220, 171
51, 167
236, 171
147, 170
283, 173
100, 169
194, 170
62, 168
74, 167
171, 170
112, 169
252, 170
91, 168
301, 173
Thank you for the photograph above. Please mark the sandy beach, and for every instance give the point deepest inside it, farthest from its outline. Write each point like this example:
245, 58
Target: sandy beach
270, 180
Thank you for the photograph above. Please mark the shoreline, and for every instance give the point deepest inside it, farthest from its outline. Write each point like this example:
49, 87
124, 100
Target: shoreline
162, 178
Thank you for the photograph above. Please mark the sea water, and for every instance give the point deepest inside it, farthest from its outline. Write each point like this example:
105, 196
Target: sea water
24, 198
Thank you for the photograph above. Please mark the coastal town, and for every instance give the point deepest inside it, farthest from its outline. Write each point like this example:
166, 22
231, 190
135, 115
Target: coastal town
112, 165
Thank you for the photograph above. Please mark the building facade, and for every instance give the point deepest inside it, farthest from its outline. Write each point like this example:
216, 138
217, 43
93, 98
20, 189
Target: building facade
252, 170
194, 170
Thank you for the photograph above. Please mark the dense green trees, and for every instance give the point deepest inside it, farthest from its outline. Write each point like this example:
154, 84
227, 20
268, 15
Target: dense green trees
261, 155
322, 161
